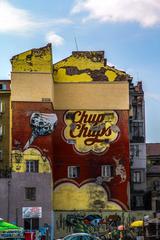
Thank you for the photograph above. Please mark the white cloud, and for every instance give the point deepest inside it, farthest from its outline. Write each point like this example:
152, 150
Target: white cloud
18, 20
55, 39
145, 12
13, 19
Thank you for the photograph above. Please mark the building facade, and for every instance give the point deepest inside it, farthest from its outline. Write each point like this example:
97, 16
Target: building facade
5, 136
153, 175
76, 113
137, 147
71, 121
93, 168
31, 80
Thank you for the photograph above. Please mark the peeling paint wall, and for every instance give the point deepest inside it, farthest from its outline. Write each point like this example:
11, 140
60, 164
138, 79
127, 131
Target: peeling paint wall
34, 60
32, 75
86, 67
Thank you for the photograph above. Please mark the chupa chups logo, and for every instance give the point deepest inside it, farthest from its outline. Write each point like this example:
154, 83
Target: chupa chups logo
91, 130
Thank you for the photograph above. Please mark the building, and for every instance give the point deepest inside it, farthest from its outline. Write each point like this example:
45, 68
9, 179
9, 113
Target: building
153, 175
5, 137
74, 113
31, 183
76, 120
93, 168
137, 147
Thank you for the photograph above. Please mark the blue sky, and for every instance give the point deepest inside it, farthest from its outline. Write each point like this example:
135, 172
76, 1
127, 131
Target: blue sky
127, 30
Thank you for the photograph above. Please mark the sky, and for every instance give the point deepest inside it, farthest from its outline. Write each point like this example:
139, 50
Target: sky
127, 30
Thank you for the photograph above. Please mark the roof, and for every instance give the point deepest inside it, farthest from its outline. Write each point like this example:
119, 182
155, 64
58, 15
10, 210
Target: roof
153, 149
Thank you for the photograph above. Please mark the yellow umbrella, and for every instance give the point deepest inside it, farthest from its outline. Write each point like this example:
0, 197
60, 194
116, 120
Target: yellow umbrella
138, 223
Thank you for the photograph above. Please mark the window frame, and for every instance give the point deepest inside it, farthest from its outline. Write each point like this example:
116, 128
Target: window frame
106, 170
136, 178
32, 166
73, 172
30, 193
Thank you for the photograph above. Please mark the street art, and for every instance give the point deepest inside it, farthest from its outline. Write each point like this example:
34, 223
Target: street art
89, 222
42, 124
89, 139
87, 196
20, 157
91, 130
120, 169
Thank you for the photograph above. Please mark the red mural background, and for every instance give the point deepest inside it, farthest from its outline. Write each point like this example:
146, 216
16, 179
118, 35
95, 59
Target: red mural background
61, 154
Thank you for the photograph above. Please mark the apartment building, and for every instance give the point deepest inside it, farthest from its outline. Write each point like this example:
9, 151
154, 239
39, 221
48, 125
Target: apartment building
137, 147
5, 137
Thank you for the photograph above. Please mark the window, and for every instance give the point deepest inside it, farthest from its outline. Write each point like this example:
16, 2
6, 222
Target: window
1, 108
30, 193
139, 201
158, 205
106, 170
134, 150
73, 172
137, 129
137, 177
1, 130
1, 155
156, 185
31, 223
2, 86
32, 166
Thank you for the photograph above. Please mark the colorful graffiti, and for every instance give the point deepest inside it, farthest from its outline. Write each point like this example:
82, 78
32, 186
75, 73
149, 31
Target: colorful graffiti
91, 130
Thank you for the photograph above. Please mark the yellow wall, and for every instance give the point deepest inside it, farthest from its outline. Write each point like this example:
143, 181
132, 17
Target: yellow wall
88, 197
83, 67
29, 154
32, 75
31, 87
83, 81
34, 60
93, 96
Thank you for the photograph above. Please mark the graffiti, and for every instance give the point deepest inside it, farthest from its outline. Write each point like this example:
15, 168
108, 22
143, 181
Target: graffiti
91, 130
120, 169
82, 223
98, 223
42, 124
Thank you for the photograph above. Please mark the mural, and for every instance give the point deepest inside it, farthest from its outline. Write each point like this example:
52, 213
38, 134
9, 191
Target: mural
99, 223
42, 124
91, 130
120, 169
34, 125
88, 196
19, 159
84, 139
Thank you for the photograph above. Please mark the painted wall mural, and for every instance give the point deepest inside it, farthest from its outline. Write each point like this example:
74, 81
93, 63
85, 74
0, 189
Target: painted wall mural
42, 124
91, 130
85, 139
33, 125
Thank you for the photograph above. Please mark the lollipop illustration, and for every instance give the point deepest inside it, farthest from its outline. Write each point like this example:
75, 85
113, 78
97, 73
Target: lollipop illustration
42, 124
